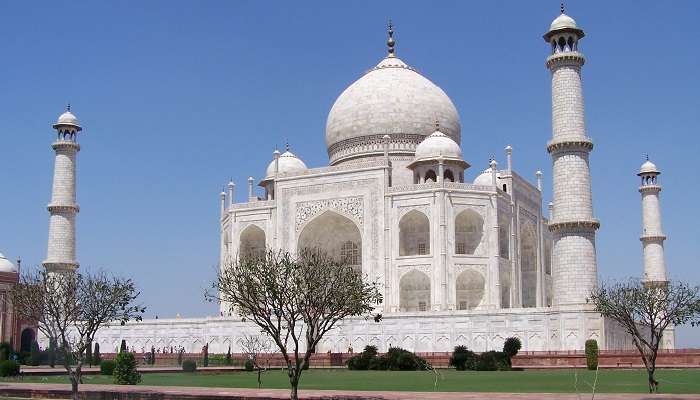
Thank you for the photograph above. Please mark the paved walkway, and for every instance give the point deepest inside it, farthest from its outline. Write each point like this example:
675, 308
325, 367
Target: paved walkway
39, 390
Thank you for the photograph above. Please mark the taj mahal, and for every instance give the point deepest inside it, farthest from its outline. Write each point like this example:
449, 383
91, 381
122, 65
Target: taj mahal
459, 262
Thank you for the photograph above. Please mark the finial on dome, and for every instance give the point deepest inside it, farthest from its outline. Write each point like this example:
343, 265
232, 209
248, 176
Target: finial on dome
561, 7
286, 146
68, 107
437, 125
390, 41
647, 155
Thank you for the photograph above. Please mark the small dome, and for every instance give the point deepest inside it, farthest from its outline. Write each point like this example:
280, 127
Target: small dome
648, 168
6, 265
484, 179
288, 163
67, 118
563, 21
436, 145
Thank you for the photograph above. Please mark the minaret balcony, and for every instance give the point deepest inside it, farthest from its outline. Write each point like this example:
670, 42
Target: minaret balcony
562, 144
65, 144
565, 58
650, 188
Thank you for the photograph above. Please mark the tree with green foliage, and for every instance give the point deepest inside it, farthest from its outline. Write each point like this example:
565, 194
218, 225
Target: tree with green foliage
295, 300
591, 354
189, 365
511, 347
229, 361
125, 371
96, 356
122, 346
69, 308
645, 310
34, 354
180, 352
153, 355
107, 367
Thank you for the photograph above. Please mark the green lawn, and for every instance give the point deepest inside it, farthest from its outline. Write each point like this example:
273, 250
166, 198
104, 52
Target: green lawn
557, 381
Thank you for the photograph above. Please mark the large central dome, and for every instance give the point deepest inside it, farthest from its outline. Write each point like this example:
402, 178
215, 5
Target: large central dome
390, 99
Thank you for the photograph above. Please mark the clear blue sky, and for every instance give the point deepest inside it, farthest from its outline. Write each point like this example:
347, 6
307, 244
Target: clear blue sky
176, 97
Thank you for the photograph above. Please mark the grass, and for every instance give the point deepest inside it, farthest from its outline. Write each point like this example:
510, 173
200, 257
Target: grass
680, 381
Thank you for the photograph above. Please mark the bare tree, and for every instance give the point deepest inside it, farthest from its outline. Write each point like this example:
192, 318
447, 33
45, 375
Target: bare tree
253, 346
70, 307
645, 310
294, 300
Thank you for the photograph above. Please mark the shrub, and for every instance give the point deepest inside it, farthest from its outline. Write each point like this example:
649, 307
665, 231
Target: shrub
34, 358
189, 365
107, 367
492, 361
591, 354
463, 359
228, 356
249, 365
96, 357
363, 360
5, 351
153, 356
125, 372
122, 346
205, 360
9, 368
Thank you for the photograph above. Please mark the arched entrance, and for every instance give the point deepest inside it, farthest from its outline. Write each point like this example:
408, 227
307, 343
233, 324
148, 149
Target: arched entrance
26, 340
252, 242
414, 292
414, 234
335, 234
469, 228
470, 289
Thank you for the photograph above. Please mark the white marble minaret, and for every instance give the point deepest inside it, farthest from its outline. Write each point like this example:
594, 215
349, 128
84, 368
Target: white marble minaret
572, 225
63, 206
652, 235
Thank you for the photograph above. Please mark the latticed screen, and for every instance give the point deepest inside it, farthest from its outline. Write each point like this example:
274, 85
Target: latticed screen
350, 253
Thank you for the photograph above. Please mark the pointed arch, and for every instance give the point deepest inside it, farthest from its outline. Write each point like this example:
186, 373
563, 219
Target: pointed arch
414, 292
335, 234
414, 234
470, 289
469, 230
252, 243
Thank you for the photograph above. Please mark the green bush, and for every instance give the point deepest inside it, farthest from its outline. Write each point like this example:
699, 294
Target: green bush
189, 365
249, 366
396, 359
363, 360
591, 354
107, 367
512, 346
492, 361
9, 368
122, 346
34, 355
125, 372
228, 356
463, 359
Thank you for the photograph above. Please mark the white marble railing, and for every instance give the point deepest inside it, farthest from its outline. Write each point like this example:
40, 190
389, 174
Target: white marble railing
335, 168
446, 185
254, 204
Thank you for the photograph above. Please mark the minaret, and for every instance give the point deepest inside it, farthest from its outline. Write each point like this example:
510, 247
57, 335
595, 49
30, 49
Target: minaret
572, 224
63, 207
652, 235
